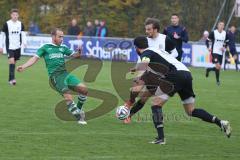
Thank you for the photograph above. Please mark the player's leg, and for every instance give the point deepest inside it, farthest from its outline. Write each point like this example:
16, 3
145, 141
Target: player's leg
214, 61
226, 61
17, 56
76, 85
157, 117
205, 116
144, 96
235, 56
72, 107
137, 87
60, 84
217, 72
147, 85
187, 96
11, 62
82, 94
135, 90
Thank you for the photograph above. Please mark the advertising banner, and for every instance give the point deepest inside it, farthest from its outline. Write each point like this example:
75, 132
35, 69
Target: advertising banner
187, 54
201, 57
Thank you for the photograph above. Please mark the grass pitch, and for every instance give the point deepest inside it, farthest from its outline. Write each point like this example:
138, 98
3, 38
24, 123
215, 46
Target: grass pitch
29, 128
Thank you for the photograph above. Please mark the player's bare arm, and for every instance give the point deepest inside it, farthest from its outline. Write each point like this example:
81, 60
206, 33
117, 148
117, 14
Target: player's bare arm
78, 53
29, 63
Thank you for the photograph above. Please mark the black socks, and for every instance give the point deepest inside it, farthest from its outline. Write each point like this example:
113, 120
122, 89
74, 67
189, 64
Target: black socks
136, 107
205, 116
11, 72
157, 117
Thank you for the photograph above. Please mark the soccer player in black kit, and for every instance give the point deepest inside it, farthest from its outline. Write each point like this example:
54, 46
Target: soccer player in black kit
163, 76
158, 41
178, 33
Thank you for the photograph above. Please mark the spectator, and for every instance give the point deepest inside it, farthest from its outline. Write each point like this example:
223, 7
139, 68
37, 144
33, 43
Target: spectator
89, 29
74, 29
102, 32
97, 26
204, 36
33, 29
177, 33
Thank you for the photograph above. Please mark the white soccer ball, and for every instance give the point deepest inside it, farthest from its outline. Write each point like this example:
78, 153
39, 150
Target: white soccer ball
122, 112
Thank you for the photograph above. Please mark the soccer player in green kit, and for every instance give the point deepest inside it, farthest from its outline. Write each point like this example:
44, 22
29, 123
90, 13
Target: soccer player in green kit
53, 54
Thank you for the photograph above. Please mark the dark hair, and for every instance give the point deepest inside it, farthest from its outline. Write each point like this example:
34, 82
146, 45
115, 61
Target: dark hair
154, 21
54, 31
14, 10
141, 42
175, 14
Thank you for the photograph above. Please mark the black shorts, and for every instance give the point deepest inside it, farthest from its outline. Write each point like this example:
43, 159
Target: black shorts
216, 58
182, 81
177, 82
16, 54
153, 81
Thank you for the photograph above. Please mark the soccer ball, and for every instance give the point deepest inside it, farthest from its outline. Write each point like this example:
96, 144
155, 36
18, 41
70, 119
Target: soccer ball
122, 112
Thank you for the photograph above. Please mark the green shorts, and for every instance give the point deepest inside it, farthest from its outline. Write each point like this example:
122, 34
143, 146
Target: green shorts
64, 82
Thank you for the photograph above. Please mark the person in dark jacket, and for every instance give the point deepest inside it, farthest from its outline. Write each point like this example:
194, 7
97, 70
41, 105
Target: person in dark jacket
89, 29
178, 33
74, 29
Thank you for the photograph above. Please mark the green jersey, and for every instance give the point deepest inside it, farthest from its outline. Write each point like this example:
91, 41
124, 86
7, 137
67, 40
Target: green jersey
54, 57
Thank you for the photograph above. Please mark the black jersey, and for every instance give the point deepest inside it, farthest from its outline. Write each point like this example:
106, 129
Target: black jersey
159, 59
167, 73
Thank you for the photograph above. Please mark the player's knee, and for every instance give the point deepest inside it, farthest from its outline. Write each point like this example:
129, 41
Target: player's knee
189, 112
68, 97
84, 90
11, 61
218, 66
157, 101
189, 105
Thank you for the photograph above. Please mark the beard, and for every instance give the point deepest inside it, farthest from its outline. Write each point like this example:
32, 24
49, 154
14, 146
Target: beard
150, 36
138, 52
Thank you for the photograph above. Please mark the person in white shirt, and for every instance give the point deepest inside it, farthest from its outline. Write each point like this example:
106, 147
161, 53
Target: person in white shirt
13, 36
219, 39
158, 40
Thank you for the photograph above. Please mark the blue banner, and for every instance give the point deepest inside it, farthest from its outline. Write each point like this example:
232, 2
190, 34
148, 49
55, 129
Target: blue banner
118, 49
187, 54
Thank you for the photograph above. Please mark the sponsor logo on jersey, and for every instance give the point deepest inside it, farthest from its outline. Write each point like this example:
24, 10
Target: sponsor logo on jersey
220, 40
61, 49
56, 55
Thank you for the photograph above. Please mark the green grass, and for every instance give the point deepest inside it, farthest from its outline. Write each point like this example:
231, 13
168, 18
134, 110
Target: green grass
29, 128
